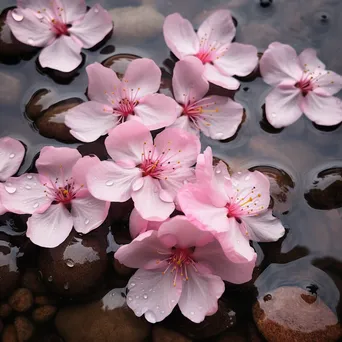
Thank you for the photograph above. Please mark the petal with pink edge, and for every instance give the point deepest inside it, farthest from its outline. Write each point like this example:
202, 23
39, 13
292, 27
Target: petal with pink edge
263, 227
309, 61
213, 257
184, 122
142, 77
157, 111
280, 63
323, 110
200, 295
81, 168
72, 10
95, 25
148, 202
136, 138
152, 293
328, 84
220, 118
283, 106
110, 182
90, 120
64, 54
238, 59
218, 28
24, 194
188, 84
50, 228
214, 75
180, 36
12, 153
30, 30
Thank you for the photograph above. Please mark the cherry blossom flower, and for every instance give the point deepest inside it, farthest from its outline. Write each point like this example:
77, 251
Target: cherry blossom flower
212, 45
301, 85
12, 153
114, 101
178, 264
56, 197
218, 117
234, 208
149, 172
61, 27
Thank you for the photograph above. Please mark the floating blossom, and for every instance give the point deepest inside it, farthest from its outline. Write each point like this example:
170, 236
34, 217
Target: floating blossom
212, 45
234, 208
301, 85
114, 101
56, 197
12, 153
149, 172
217, 117
61, 27
178, 264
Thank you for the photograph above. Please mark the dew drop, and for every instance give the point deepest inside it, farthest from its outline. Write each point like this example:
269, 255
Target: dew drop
10, 189
145, 296
157, 307
36, 205
130, 298
192, 313
12, 155
28, 187
274, 115
50, 279
247, 178
96, 10
219, 135
66, 286
110, 183
70, 263
218, 171
150, 316
172, 301
162, 311
86, 221
132, 285
137, 297
30, 41
17, 16
29, 176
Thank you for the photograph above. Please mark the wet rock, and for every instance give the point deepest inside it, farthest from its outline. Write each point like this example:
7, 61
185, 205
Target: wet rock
136, 23
77, 266
162, 334
9, 334
108, 319
32, 281
5, 310
40, 101
21, 300
288, 317
119, 63
24, 328
44, 300
122, 270
10, 88
44, 313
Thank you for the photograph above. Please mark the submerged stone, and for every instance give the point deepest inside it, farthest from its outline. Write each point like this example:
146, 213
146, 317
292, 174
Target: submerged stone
10, 88
119, 63
161, 333
24, 328
21, 300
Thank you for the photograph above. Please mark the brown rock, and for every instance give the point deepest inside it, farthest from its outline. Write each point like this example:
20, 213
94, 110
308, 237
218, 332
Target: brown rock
32, 281
24, 328
5, 310
44, 313
288, 317
119, 63
40, 101
21, 300
9, 334
122, 270
162, 334
106, 320
44, 300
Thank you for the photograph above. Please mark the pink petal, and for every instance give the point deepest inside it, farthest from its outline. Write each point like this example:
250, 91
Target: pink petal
264, 227
184, 122
142, 77
221, 117
24, 194
64, 54
56, 163
50, 228
188, 83
157, 111
323, 110
103, 84
214, 75
218, 28
35, 5
152, 293
309, 61
327, 84
280, 63
95, 25
30, 30
110, 182
145, 248
213, 257
200, 294
148, 202
82, 166
88, 213
72, 10
239, 59
90, 120
126, 143
283, 106
12, 153
180, 36
182, 146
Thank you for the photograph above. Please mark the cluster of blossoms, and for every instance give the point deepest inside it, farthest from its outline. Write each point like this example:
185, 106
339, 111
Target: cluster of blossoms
181, 258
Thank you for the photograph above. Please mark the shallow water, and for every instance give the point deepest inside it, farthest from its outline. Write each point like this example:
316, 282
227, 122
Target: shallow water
311, 252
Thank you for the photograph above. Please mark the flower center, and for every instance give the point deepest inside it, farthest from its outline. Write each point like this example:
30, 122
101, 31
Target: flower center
305, 85
208, 51
59, 28
126, 107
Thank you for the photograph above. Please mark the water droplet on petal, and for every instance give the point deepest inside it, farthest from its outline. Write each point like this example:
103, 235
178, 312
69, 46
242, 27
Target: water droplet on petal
36, 205
136, 297
162, 311
157, 307
172, 301
16, 15
132, 284
29, 176
10, 189
12, 155
145, 296
247, 178
130, 298
70, 263
273, 115
50, 279
110, 183
86, 221
137, 185
30, 41
218, 171
192, 313
96, 10
219, 135
150, 316
28, 187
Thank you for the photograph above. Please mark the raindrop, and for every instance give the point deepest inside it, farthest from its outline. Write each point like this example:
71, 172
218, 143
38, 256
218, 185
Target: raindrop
29, 176
172, 301
66, 286
17, 16
86, 221
96, 10
150, 316
132, 285
36, 205
145, 296
30, 41
12, 155
218, 171
192, 313
274, 115
162, 311
110, 183
157, 307
136, 297
219, 135
50, 279
28, 187
70, 263
130, 298
247, 178
10, 189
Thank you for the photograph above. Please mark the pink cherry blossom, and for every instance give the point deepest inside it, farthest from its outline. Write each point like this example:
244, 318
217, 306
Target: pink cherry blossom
114, 101
178, 264
149, 172
301, 85
234, 208
212, 45
56, 197
217, 117
61, 27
